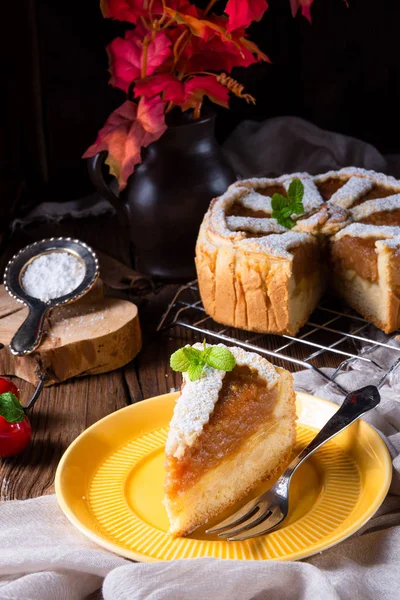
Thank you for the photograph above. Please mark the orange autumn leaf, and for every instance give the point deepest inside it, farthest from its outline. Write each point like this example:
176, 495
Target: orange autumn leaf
203, 28
127, 130
254, 49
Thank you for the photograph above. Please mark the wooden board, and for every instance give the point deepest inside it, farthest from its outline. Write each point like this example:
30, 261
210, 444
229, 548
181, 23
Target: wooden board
93, 335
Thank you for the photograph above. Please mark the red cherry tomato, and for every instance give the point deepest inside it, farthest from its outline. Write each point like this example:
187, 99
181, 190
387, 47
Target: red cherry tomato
14, 437
8, 386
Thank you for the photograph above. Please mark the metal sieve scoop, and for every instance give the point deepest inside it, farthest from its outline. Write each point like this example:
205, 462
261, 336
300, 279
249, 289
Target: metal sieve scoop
29, 335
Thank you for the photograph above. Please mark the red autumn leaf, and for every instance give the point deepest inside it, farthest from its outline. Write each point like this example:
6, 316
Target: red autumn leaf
188, 94
129, 10
305, 6
215, 55
127, 130
122, 10
127, 55
243, 12
132, 10
162, 83
200, 86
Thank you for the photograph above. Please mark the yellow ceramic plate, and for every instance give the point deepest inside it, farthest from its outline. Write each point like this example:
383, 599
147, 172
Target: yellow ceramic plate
109, 484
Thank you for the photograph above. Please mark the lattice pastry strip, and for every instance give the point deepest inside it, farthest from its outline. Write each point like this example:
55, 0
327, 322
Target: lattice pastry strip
257, 202
371, 207
350, 192
254, 225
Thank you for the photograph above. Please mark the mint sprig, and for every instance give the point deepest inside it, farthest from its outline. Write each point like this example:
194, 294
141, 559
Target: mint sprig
283, 208
193, 361
10, 408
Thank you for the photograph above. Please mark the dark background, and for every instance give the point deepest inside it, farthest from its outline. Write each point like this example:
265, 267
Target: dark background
341, 73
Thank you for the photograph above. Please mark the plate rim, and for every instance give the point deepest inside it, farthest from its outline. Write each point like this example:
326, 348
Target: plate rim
139, 557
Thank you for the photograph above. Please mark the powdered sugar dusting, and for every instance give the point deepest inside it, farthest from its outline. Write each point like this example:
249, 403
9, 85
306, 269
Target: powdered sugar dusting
351, 191
255, 201
368, 231
254, 225
53, 275
371, 207
198, 398
347, 172
394, 243
278, 245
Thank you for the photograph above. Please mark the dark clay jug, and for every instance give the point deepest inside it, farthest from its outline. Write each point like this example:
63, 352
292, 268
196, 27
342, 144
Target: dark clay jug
167, 196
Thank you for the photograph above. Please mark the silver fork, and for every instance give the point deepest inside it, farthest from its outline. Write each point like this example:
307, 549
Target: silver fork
266, 512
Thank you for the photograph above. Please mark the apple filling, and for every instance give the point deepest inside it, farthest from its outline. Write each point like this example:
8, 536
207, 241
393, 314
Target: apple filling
388, 217
244, 402
356, 254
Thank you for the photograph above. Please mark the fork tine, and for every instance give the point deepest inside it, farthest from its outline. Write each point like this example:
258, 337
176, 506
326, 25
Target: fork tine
259, 517
238, 517
274, 519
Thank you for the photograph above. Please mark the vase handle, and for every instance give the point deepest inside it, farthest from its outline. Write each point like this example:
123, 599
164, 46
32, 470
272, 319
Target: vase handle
95, 168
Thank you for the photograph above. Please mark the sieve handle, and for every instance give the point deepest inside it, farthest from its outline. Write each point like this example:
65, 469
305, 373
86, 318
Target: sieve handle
28, 336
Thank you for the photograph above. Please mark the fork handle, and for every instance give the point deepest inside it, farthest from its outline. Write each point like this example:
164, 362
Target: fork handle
354, 405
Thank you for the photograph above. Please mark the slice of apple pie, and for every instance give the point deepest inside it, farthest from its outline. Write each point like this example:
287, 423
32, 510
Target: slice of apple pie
229, 431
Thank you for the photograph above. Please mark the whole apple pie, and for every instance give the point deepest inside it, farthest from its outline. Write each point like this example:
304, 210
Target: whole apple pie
256, 274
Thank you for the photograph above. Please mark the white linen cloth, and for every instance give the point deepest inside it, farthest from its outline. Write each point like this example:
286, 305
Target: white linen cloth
43, 557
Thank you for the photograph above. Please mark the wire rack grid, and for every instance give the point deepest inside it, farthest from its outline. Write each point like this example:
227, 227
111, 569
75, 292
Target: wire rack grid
334, 336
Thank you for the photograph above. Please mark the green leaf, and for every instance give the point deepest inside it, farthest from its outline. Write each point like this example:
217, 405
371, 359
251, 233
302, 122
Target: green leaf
10, 408
298, 208
286, 212
179, 361
221, 358
278, 202
296, 191
194, 371
193, 355
287, 222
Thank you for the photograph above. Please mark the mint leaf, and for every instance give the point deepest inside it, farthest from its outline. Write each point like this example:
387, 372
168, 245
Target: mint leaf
220, 358
298, 208
10, 408
296, 191
287, 222
283, 208
194, 371
193, 355
286, 212
278, 202
179, 361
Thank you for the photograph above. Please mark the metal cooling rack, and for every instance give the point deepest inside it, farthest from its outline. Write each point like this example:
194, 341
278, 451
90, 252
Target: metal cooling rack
335, 336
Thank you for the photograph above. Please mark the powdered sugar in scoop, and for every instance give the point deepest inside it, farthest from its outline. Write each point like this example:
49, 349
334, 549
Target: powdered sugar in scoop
53, 275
